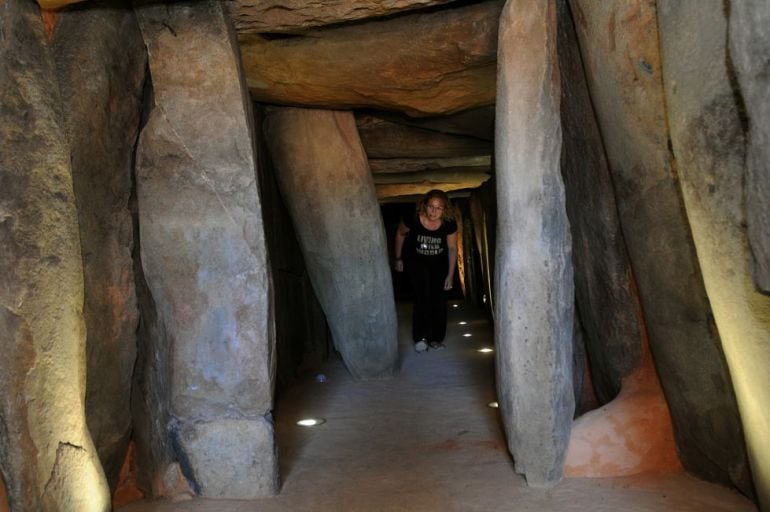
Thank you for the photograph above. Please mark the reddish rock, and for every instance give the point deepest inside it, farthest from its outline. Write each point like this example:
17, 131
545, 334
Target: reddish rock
294, 16
422, 64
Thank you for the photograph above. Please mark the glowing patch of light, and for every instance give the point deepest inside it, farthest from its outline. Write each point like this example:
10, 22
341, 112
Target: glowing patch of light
485, 350
493, 405
455, 305
311, 422
467, 335
462, 323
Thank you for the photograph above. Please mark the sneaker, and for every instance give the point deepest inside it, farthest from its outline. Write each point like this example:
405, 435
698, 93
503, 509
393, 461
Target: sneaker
420, 346
436, 345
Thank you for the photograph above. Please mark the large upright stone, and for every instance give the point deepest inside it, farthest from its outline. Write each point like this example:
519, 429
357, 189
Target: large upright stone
708, 143
47, 458
605, 290
422, 64
749, 34
619, 41
100, 60
533, 275
203, 251
322, 171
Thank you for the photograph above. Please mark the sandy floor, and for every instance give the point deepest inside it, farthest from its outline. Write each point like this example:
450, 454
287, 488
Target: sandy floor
427, 441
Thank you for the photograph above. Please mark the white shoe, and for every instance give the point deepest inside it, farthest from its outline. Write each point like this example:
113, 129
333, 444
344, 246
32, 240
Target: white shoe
420, 346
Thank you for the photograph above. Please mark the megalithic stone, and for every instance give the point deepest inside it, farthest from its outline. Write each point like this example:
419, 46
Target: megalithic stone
533, 276
324, 177
101, 46
46, 454
203, 251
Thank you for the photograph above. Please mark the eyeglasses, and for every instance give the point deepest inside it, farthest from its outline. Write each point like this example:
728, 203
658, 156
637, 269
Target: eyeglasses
434, 207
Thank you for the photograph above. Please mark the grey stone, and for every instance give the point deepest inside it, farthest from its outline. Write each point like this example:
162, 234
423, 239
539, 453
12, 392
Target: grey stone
46, 454
708, 143
231, 457
624, 78
605, 287
386, 139
476, 122
533, 276
749, 39
400, 165
202, 242
323, 176
101, 46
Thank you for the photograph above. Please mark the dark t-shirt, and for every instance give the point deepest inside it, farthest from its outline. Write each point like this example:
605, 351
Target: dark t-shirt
426, 243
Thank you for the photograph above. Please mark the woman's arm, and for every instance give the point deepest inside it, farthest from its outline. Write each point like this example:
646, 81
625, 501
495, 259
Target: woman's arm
451, 242
401, 233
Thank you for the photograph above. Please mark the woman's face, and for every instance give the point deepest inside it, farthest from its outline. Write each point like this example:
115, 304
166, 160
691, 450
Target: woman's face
435, 208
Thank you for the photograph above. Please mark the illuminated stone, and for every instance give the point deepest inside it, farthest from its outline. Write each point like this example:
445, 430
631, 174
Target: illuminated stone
46, 454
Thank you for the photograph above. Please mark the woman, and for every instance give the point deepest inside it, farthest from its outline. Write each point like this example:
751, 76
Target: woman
431, 261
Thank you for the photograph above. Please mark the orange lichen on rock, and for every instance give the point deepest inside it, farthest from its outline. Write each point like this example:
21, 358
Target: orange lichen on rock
49, 22
170, 483
632, 434
4, 507
127, 490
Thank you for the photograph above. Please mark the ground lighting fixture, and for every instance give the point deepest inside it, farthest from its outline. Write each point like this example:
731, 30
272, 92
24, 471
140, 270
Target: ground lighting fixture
467, 335
311, 422
485, 350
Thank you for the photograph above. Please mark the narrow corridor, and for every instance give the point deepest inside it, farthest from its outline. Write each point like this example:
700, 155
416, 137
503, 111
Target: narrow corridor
427, 440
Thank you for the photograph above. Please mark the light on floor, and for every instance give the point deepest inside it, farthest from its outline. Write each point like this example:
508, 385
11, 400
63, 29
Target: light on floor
485, 350
462, 323
493, 405
467, 335
455, 305
311, 422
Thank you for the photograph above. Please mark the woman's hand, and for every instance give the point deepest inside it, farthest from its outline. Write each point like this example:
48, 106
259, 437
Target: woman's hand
399, 265
448, 283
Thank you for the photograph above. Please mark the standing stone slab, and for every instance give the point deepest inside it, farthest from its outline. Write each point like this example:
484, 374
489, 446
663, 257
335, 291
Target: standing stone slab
749, 35
203, 248
533, 275
619, 43
709, 146
604, 284
47, 458
100, 61
322, 171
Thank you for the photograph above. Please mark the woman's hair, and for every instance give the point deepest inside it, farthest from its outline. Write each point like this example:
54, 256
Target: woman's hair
422, 204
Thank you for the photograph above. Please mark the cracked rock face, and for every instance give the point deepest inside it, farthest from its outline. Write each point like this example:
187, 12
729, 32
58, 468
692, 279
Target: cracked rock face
47, 457
420, 64
102, 47
203, 253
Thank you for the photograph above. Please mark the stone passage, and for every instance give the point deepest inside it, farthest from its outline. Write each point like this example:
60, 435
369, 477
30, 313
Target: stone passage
203, 252
324, 177
533, 281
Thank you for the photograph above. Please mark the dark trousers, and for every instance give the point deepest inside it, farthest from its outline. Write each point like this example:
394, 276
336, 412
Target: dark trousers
429, 314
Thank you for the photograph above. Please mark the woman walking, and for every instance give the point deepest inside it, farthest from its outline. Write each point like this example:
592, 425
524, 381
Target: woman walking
431, 258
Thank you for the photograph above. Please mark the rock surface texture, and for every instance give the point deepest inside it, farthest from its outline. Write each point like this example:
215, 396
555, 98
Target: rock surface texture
102, 47
533, 282
605, 289
295, 16
203, 250
749, 34
709, 146
322, 172
421, 64
47, 458
619, 41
